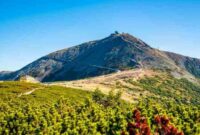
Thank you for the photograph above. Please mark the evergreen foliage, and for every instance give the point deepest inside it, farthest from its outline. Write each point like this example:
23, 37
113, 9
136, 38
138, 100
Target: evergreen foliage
57, 110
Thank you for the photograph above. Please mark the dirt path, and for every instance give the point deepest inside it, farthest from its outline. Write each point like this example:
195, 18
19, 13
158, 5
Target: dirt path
28, 93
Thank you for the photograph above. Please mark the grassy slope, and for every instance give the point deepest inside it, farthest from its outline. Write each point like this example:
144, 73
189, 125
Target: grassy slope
137, 84
166, 86
10, 91
159, 86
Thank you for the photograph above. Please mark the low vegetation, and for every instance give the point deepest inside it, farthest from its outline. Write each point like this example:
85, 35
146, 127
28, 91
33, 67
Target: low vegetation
59, 110
167, 87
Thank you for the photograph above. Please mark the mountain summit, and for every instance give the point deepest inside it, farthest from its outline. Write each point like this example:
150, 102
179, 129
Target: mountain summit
112, 54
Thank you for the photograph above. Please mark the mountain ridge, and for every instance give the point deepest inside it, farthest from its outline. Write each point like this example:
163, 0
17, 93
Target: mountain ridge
111, 54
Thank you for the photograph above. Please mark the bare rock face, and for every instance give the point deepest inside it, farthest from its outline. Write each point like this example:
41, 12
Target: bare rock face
28, 79
114, 53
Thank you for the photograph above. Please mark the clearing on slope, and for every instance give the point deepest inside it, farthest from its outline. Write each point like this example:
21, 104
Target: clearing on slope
140, 83
109, 82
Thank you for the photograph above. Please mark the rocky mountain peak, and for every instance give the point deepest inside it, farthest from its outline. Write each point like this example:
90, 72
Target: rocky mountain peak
126, 37
117, 52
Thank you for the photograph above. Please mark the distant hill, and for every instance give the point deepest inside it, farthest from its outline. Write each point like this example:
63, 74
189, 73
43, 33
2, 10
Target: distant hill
114, 53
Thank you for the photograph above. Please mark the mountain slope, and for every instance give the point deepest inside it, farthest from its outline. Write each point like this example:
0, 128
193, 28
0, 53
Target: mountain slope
192, 65
140, 83
109, 82
112, 54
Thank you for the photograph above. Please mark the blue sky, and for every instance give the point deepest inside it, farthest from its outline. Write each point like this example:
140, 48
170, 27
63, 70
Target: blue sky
30, 29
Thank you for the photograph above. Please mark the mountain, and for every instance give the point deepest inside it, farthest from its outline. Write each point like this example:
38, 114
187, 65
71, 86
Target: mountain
5, 74
114, 53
